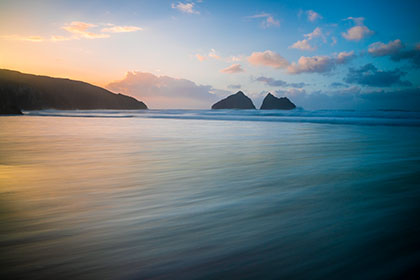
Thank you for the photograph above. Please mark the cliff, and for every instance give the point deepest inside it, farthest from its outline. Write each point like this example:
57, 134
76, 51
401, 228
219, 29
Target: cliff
32, 92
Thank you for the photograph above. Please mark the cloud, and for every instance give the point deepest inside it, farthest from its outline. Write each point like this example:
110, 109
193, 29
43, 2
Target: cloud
314, 64
279, 83
315, 34
121, 29
381, 49
234, 68
268, 21
234, 86
395, 49
356, 20
59, 38
304, 44
268, 58
352, 98
369, 75
167, 92
80, 29
30, 38
187, 8
358, 32
338, 85
319, 64
412, 56
212, 54
344, 57
313, 16
200, 57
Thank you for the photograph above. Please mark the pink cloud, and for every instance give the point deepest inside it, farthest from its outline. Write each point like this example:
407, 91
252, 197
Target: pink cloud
268, 58
313, 16
166, 92
381, 49
234, 68
80, 29
358, 32
121, 29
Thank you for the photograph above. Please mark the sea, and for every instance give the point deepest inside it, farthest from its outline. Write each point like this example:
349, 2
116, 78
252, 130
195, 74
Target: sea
202, 194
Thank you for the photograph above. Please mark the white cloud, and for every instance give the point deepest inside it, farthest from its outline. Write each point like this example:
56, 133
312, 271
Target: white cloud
268, 21
381, 49
268, 58
187, 8
313, 16
234, 68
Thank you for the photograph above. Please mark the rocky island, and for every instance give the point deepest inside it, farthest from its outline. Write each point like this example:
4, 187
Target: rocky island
19, 91
271, 102
235, 101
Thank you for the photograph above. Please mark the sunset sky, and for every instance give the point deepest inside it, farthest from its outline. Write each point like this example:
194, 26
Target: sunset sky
188, 54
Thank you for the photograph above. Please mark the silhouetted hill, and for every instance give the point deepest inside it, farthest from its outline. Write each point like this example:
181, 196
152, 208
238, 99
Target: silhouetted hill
271, 102
235, 101
32, 92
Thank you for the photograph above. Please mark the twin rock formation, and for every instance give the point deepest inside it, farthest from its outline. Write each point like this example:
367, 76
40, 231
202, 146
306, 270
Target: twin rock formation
240, 101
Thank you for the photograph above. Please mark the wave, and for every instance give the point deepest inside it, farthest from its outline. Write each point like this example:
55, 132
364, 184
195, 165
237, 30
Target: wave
380, 117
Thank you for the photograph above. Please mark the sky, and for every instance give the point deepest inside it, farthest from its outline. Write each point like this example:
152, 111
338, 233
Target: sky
358, 55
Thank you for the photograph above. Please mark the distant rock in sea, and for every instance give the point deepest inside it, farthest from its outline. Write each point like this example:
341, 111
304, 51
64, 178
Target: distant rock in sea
235, 101
19, 91
271, 102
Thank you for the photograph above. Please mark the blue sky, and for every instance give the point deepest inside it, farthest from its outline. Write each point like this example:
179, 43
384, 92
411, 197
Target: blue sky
187, 54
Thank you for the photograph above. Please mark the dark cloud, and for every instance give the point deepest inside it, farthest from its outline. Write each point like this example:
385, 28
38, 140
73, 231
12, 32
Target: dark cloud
337, 85
279, 83
353, 99
412, 56
369, 75
396, 51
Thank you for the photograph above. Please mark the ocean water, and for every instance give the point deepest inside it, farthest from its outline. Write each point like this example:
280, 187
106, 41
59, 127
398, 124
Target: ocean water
178, 194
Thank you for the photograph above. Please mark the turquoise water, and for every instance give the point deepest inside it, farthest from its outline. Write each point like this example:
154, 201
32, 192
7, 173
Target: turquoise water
209, 195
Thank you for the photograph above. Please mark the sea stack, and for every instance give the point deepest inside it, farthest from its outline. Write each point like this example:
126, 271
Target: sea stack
235, 101
273, 103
